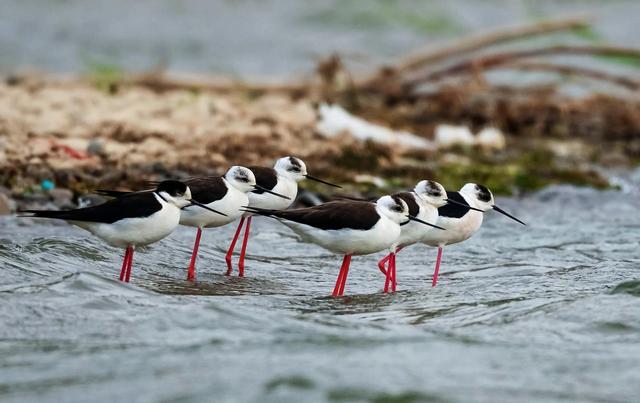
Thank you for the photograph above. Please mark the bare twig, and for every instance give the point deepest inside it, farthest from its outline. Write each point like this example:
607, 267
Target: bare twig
623, 81
497, 59
478, 41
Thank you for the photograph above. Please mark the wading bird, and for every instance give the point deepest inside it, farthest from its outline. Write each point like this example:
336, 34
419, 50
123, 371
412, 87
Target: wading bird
348, 227
461, 219
131, 220
282, 179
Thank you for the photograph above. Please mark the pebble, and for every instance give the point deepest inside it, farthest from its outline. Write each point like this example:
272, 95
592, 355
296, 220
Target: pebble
62, 198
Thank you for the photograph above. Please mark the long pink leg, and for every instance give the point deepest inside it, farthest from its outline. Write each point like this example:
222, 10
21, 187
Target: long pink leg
341, 276
435, 273
123, 271
243, 252
393, 271
388, 273
232, 247
191, 271
382, 262
347, 262
130, 264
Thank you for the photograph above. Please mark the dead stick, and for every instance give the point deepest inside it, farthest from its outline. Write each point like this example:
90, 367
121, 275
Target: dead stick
489, 61
626, 82
479, 41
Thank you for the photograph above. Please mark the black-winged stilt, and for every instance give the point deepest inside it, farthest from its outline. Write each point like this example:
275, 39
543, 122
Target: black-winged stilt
131, 220
283, 179
348, 227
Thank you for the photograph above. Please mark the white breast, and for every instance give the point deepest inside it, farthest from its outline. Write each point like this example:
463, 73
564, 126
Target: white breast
350, 241
137, 231
412, 231
285, 186
457, 229
230, 205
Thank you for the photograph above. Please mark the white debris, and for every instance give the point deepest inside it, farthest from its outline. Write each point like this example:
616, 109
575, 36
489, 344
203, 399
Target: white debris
335, 120
449, 135
374, 180
491, 137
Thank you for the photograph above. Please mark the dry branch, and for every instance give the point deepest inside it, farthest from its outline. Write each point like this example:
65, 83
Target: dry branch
622, 81
478, 41
497, 59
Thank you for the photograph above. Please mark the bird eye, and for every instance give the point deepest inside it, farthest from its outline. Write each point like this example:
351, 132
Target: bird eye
398, 209
294, 169
244, 180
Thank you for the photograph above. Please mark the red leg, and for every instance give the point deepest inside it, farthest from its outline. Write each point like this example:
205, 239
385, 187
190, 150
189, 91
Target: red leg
191, 271
232, 247
435, 273
347, 262
123, 271
342, 276
382, 262
387, 273
393, 272
129, 265
243, 251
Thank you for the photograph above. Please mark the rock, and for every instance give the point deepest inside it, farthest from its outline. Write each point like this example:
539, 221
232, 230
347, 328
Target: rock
62, 198
90, 200
6, 205
95, 147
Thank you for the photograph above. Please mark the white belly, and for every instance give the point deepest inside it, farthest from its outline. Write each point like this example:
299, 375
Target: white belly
413, 232
136, 231
457, 229
285, 187
350, 241
230, 205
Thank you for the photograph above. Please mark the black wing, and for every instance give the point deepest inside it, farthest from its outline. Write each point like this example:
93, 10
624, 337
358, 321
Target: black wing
339, 214
454, 210
207, 190
265, 177
132, 205
409, 198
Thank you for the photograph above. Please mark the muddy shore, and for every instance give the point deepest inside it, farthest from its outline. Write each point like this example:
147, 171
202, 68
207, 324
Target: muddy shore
80, 135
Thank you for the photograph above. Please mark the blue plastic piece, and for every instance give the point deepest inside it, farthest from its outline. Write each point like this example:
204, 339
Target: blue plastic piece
47, 185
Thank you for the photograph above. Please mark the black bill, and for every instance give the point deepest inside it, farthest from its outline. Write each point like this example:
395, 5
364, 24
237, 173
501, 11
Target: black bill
263, 189
313, 178
501, 211
463, 205
412, 218
195, 203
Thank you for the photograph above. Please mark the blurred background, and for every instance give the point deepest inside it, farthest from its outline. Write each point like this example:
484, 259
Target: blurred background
538, 100
278, 38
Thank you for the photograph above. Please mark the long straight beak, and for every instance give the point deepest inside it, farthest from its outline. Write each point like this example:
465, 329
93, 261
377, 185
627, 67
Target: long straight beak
258, 187
501, 211
313, 178
463, 205
195, 203
412, 218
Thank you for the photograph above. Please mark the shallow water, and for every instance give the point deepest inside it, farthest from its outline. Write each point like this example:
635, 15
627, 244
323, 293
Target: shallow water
546, 313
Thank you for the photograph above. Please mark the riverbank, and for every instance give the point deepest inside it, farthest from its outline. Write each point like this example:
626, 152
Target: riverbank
78, 135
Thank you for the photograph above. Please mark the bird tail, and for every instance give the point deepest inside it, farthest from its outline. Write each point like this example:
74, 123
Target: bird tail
59, 214
260, 211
